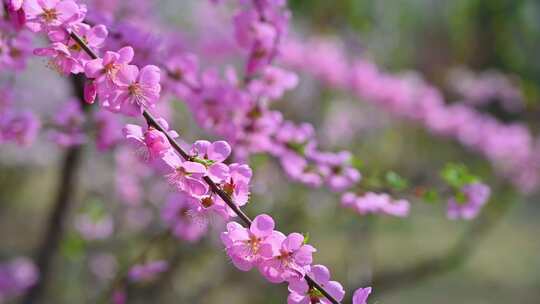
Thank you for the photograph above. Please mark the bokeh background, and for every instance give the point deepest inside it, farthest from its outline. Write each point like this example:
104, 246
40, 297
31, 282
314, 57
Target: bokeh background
424, 258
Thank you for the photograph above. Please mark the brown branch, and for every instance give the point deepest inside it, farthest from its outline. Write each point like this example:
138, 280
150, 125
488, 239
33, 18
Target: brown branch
55, 227
455, 257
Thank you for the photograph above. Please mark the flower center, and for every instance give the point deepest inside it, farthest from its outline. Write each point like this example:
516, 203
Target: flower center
111, 69
49, 15
183, 212
135, 89
229, 188
207, 202
254, 244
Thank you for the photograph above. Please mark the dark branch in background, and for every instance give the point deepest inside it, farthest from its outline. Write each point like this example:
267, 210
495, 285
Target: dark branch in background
456, 256
55, 226
151, 121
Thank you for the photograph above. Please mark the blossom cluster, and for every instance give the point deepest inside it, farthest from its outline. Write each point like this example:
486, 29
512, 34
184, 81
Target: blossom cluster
510, 147
240, 110
476, 196
15, 44
16, 276
485, 87
122, 87
19, 126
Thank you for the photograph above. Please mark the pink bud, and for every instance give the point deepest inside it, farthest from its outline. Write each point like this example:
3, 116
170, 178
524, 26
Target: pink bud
90, 91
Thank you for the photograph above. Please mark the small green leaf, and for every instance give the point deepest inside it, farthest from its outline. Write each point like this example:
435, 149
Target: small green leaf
306, 237
206, 162
357, 163
94, 209
297, 147
73, 247
431, 196
460, 197
457, 175
395, 181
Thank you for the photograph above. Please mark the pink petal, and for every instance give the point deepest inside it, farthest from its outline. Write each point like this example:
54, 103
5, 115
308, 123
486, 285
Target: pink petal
110, 57
200, 148
262, 225
126, 55
127, 75
193, 167
134, 132
218, 172
293, 242
219, 151
304, 255
321, 274
93, 68
298, 286
150, 75
360, 295
196, 186
335, 289
67, 9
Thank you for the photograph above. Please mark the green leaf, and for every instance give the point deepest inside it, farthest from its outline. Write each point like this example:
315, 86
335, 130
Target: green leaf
457, 175
73, 247
357, 163
306, 237
431, 196
395, 181
94, 209
460, 197
205, 162
297, 147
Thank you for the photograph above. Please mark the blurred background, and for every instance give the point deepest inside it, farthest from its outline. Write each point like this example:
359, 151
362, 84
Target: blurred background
423, 258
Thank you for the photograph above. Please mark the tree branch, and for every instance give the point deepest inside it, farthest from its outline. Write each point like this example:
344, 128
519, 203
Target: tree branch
55, 226
455, 257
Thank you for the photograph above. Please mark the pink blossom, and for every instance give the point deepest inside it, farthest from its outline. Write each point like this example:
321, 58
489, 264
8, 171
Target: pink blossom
178, 214
186, 175
290, 261
15, 47
375, 203
212, 155
136, 90
46, 14
477, 195
153, 143
94, 37
273, 83
248, 247
90, 92
16, 14
61, 59
92, 228
182, 74
108, 130
68, 125
105, 69
361, 295
237, 183
336, 169
20, 127
147, 271
302, 293
298, 168
16, 276
249, 30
